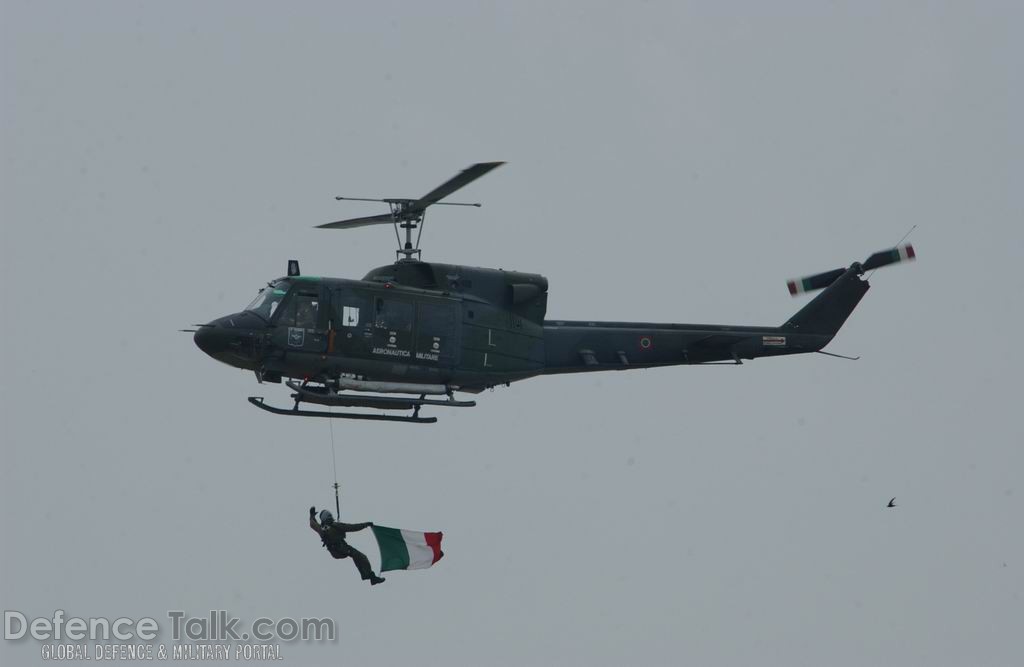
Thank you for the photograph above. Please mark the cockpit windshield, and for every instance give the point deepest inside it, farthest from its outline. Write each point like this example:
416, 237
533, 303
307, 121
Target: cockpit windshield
269, 298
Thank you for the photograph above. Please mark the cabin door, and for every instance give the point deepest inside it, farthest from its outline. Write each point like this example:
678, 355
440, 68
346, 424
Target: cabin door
437, 340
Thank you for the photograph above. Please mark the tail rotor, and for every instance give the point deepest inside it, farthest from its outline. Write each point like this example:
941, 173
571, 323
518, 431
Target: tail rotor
901, 253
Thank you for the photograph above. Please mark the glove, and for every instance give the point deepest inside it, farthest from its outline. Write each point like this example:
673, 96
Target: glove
312, 512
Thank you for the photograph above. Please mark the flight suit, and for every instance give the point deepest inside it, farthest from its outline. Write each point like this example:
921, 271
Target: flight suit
333, 537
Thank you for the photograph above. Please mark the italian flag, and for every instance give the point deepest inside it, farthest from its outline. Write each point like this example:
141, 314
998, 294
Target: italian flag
407, 549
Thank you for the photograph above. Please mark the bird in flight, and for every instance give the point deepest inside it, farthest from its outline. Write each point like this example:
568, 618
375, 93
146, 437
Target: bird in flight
892, 503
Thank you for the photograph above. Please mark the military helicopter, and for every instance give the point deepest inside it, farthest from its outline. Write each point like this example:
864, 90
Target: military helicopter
413, 333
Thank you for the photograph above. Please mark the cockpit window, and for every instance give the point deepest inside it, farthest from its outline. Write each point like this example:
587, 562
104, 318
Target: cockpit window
302, 311
269, 298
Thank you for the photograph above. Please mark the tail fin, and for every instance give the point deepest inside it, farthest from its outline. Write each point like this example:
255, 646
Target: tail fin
828, 311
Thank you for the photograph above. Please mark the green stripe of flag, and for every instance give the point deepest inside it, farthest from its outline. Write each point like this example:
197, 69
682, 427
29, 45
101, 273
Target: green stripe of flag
394, 555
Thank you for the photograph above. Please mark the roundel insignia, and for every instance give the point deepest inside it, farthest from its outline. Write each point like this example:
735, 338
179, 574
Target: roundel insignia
646, 342
391, 339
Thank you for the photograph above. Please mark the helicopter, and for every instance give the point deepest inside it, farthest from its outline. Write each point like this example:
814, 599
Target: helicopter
413, 333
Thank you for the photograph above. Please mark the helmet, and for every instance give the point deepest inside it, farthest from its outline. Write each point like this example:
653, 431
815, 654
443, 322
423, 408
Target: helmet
326, 517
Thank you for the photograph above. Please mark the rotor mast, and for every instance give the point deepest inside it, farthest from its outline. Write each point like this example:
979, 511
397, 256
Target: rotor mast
408, 224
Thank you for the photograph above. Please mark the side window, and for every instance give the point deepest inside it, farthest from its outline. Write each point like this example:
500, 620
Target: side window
350, 309
349, 316
392, 315
302, 311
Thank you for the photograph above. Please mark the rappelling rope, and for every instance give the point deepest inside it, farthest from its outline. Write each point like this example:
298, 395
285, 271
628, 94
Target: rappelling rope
334, 462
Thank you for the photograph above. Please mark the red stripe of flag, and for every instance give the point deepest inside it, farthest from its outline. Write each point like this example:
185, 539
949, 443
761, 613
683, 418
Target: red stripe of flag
434, 542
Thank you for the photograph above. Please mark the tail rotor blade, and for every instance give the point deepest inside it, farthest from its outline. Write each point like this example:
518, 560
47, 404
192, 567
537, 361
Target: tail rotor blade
815, 282
903, 253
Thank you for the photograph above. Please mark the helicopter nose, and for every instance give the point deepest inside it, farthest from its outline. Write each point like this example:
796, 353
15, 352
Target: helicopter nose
211, 339
231, 339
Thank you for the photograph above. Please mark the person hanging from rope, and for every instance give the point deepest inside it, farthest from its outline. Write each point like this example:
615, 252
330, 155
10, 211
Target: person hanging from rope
332, 534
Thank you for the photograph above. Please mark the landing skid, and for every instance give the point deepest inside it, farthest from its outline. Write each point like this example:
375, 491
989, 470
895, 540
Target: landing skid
295, 412
325, 394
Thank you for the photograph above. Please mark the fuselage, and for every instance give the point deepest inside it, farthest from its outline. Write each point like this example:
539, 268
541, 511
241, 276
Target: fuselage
467, 328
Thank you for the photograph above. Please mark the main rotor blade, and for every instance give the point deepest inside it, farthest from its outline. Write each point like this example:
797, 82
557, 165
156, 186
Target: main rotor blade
384, 219
462, 179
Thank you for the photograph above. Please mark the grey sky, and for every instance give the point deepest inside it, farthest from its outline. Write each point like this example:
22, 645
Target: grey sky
667, 162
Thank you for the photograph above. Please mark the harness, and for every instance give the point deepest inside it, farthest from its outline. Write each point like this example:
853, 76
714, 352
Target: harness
334, 540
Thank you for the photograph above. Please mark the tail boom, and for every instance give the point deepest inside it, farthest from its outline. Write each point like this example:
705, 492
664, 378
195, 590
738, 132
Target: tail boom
580, 347
575, 347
